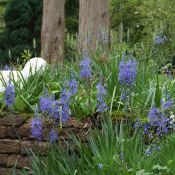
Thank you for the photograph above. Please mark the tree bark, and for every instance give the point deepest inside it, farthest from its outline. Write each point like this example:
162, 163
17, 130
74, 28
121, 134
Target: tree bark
53, 30
93, 20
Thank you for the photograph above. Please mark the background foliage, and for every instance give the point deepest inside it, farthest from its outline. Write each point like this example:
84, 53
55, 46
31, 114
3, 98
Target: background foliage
132, 21
23, 21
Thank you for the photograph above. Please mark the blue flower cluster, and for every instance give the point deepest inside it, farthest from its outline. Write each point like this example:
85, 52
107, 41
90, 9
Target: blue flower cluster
167, 105
151, 149
158, 39
85, 72
55, 109
49, 106
85, 66
160, 120
9, 95
101, 96
137, 123
6, 67
65, 104
36, 128
127, 72
153, 115
73, 86
53, 136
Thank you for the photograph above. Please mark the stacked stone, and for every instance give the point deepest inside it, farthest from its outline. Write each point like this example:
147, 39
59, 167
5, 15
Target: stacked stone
16, 140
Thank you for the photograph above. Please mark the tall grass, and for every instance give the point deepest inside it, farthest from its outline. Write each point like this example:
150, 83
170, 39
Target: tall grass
113, 149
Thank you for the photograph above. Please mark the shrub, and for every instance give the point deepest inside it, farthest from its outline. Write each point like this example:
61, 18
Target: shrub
23, 21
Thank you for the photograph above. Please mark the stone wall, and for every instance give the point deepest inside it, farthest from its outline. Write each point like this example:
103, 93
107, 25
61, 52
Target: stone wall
15, 139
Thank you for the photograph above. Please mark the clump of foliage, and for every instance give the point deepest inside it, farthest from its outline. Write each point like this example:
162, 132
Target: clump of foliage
134, 85
115, 149
140, 26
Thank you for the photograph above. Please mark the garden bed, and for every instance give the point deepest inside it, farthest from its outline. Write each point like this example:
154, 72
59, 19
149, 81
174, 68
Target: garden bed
15, 139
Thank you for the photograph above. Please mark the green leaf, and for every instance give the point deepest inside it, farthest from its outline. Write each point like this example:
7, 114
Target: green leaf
158, 167
142, 172
170, 162
158, 94
87, 108
20, 105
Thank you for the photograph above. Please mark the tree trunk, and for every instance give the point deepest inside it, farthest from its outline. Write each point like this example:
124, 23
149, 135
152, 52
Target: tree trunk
93, 21
52, 32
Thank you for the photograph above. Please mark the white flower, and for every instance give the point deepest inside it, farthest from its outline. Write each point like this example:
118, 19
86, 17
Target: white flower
172, 117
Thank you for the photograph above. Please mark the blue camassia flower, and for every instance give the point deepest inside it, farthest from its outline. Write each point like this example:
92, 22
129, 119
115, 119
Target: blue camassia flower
127, 72
65, 103
53, 136
85, 68
44, 104
65, 98
9, 95
167, 105
73, 86
157, 122
162, 126
158, 39
101, 95
123, 95
6, 67
36, 128
137, 123
50, 106
153, 115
